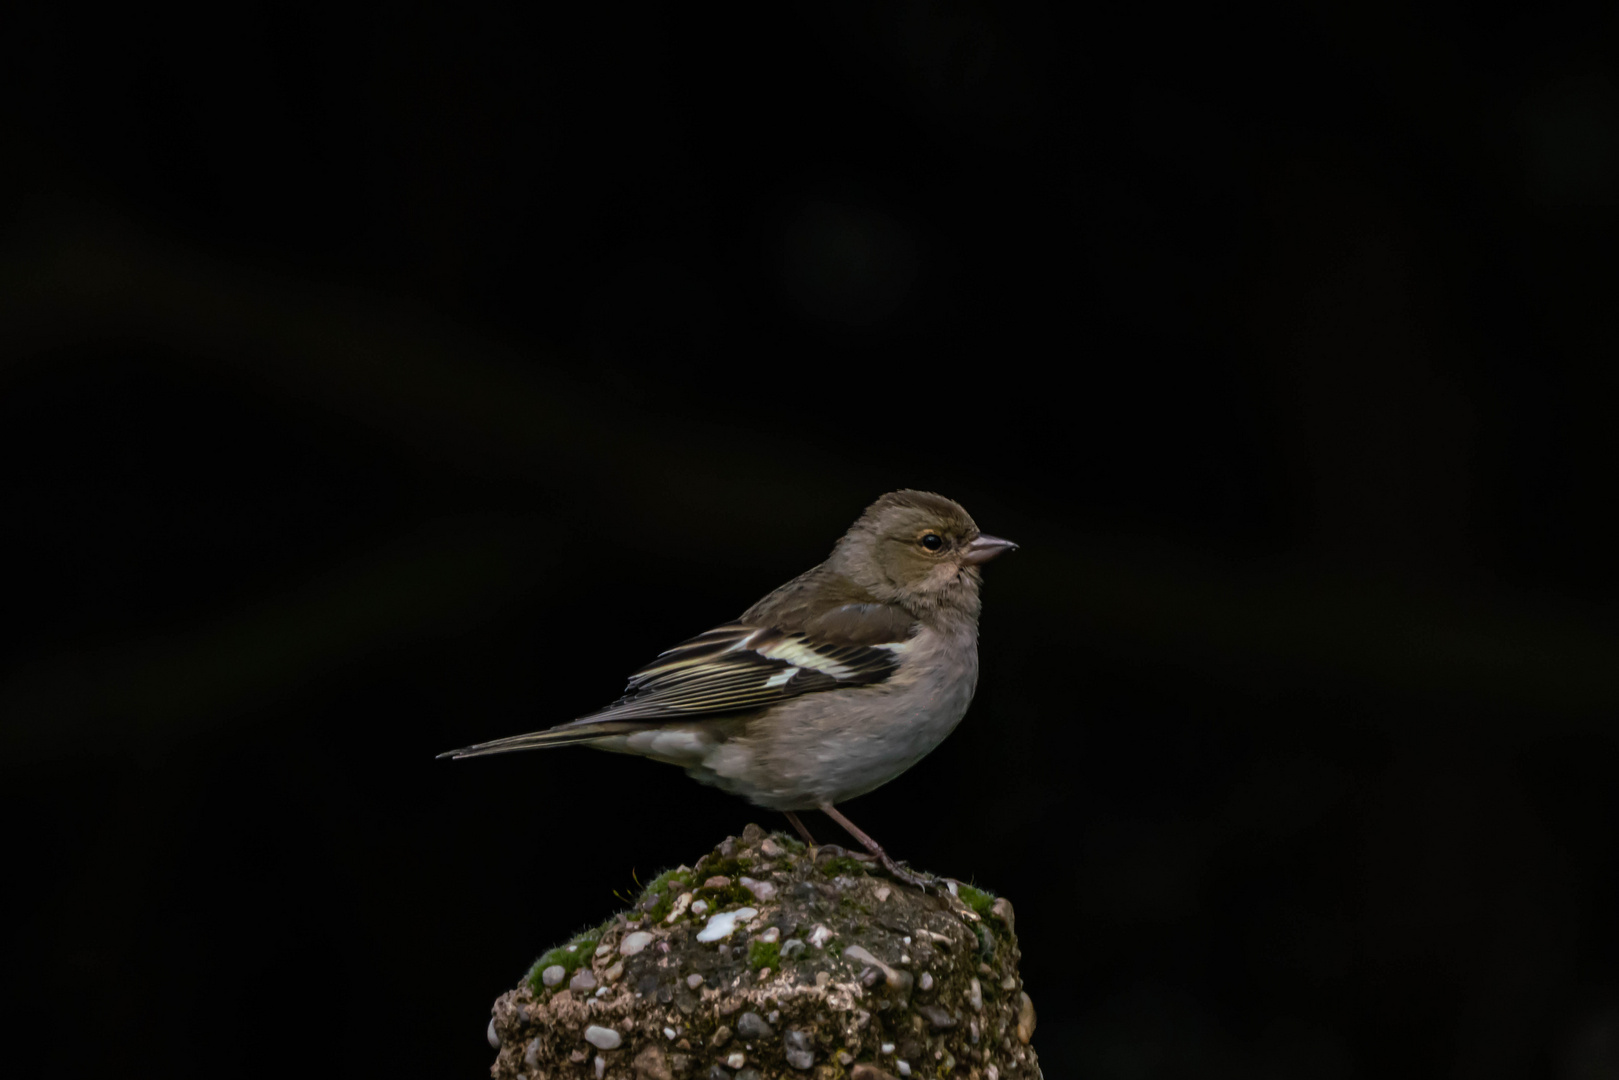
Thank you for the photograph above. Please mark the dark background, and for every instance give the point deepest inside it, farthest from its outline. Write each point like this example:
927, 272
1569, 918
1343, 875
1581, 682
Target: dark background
374, 380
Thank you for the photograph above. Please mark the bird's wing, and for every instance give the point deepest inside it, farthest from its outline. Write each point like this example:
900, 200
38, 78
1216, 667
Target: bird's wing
740, 667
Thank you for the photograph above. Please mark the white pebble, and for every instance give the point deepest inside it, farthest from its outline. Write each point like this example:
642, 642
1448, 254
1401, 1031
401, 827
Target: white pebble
904, 959
906, 940
737, 1060
887, 1048
682, 902
770, 936
602, 1038
819, 936
699, 907
552, 975
694, 981
975, 996
634, 943
494, 1040
670, 1033
882, 897
992, 1073
721, 926
761, 890
901, 1064
601, 1067
926, 982
603, 949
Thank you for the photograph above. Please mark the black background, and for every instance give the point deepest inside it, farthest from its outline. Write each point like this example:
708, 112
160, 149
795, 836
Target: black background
374, 380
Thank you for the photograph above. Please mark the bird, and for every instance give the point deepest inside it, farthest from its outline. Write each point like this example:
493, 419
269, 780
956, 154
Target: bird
827, 688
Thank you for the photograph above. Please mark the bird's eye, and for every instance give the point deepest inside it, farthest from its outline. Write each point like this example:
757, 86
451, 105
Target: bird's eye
932, 541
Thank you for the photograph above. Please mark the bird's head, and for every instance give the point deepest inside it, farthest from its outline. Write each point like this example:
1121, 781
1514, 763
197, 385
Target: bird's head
919, 550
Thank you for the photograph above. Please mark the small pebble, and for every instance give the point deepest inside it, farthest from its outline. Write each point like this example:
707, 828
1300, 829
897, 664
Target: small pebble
670, 1033
737, 1060
762, 891
764, 973
722, 1035
601, 1067
883, 892
770, 936
699, 907
553, 974
926, 982
602, 1038
823, 978
682, 902
494, 1039
770, 849
583, 981
902, 1065
720, 926
799, 1053
531, 1054
603, 949
718, 881
751, 1027
1002, 910
600, 990
937, 1016
1009, 983
975, 995
992, 1073
775, 1016
1025, 1019
634, 943
887, 1048
791, 949
694, 981
614, 973
819, 936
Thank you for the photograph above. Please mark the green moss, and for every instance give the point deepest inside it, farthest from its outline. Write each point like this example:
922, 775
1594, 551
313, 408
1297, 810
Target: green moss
764, 954
573, 955
712, 867
842, 865
977, 899
665, 887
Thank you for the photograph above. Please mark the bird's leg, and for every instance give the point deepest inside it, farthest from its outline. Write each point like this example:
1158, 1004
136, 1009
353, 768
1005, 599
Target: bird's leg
802, 831
875, 848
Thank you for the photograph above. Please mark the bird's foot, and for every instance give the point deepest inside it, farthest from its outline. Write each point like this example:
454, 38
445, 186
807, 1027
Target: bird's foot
900, 872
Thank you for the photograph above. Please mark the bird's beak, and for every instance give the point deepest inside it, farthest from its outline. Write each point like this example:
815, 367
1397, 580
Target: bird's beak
985, 548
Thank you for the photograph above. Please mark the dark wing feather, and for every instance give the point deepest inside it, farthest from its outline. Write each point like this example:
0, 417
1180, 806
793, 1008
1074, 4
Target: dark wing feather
741, 667
810, 635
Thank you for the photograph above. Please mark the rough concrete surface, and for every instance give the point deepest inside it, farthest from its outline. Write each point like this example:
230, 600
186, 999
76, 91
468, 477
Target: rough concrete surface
761, 962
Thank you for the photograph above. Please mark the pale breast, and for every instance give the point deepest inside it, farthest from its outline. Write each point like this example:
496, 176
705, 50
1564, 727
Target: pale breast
827, 748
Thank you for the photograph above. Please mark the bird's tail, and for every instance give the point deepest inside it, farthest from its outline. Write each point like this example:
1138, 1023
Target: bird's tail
565, 735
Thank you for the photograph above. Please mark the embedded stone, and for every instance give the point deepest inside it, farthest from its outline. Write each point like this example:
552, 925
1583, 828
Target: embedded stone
603, 1038
634, 943
751, 1027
